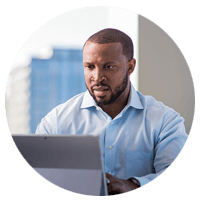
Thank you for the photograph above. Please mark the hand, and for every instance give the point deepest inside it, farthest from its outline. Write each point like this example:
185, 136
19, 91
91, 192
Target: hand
118, 186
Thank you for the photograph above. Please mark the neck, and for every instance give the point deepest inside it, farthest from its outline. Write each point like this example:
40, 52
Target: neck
116, 107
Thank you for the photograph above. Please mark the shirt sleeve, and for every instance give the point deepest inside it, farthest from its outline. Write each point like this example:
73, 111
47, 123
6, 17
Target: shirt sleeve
169, 143
48, 124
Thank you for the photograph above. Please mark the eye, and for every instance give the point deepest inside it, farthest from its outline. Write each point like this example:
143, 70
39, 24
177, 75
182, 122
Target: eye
109, 66
90, 67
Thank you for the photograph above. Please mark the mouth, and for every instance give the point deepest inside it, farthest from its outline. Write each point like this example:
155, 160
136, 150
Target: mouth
100, 91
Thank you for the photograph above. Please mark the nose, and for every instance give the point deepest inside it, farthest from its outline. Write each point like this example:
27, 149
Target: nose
98, 75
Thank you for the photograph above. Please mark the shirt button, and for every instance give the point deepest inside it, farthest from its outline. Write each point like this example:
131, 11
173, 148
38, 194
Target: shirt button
97, 108
110, 147
111, 123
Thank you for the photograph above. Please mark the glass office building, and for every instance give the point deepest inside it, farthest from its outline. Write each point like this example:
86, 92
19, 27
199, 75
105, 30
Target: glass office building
53, 81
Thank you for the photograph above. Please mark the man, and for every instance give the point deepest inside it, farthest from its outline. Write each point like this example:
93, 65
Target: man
139, 136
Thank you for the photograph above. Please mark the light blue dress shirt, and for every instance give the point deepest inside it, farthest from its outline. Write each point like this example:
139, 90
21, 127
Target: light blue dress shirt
140, 142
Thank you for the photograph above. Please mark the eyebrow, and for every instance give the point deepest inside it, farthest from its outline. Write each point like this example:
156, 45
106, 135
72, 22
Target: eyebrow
88, 63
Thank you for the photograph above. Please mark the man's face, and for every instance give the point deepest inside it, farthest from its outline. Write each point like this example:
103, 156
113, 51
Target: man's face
106, 71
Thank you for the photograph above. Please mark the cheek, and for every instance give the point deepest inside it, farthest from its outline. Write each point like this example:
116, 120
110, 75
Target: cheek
117, 78
87, 78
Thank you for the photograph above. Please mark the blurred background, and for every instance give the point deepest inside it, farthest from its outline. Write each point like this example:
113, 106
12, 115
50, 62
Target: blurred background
48, 69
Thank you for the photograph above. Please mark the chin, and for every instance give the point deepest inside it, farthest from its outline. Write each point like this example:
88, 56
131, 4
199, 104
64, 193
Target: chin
101, 102
104, 102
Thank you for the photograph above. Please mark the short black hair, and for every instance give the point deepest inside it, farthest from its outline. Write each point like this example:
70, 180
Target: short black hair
110, 35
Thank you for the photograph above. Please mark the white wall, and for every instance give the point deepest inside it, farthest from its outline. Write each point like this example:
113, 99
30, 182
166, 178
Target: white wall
164, 72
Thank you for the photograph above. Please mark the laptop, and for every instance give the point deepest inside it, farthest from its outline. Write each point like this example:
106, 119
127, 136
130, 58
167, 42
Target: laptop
72, 162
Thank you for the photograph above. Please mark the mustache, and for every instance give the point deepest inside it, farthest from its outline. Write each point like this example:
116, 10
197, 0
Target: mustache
99, 84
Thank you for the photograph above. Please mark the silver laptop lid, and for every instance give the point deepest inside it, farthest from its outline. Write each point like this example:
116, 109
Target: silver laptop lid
60, 151
68, 157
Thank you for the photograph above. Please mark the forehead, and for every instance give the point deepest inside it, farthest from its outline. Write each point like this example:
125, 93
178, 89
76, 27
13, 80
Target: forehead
108, 52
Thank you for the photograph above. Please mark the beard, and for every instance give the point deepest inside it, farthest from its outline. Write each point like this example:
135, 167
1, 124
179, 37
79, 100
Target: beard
115, 94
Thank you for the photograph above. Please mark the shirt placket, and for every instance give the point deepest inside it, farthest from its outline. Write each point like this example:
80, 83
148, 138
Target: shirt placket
110, 149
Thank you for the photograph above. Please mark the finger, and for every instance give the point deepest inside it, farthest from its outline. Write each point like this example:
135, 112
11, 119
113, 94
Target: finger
106, 175
111, 178
107, 180
109, 175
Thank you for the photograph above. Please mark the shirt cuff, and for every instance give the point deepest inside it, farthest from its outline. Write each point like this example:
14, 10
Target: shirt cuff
142, 180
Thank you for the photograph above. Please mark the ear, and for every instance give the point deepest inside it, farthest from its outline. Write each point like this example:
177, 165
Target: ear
131, 66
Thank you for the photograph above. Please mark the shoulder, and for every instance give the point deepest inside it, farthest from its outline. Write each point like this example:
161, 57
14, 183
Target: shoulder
61, 114
162, 121
151, 104
72, 105
158, 114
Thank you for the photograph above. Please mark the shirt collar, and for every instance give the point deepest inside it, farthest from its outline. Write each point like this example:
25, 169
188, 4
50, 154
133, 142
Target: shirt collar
88, 100
134, 100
